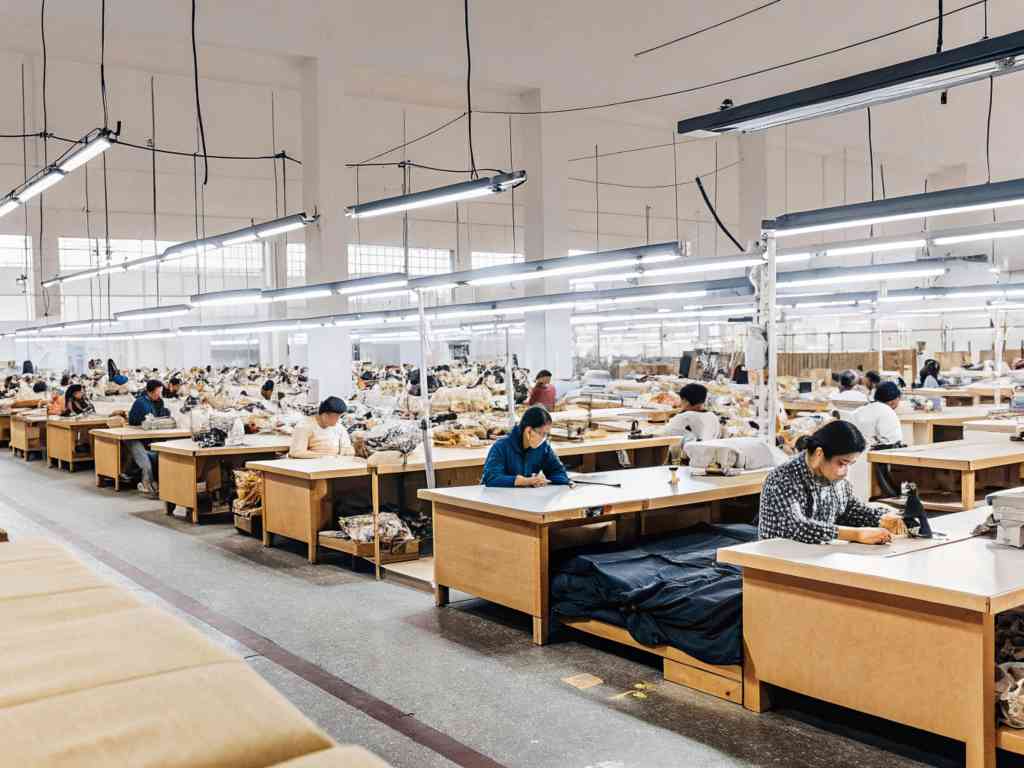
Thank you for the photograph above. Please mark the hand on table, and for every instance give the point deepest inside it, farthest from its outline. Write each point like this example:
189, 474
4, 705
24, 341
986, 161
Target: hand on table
873, 536
893, 523
534, 481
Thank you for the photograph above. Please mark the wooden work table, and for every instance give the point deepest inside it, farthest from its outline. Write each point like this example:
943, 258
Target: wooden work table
68, 439
973, 395
28, 433
109, 453
298, 494
924, 427
998, 428
797, 405
189, 474
949, 475
850, 605
495, 543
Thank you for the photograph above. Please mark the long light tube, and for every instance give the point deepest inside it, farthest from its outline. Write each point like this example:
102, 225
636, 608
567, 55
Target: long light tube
367, 287
989, 235
40, 185
151, 313
466, 190
856, 275
902, 245
298, 293
87, 152
227, 298
990, 57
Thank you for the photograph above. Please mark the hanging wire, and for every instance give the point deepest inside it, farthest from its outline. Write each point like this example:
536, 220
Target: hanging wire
675, 187
597, 205
988, 131
725, 167
24, 166
106, 227
199, 105
152, 114
103, 61
46, 154
736, 78
89, 247
469, 93
410, 142
511, 164
707, 28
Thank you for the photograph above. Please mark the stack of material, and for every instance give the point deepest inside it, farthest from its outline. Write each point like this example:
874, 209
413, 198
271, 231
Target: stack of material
130, 684
249, 488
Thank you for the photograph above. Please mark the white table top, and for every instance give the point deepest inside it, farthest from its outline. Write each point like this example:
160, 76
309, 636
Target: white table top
648, 487
250, 444
972, 573
137, 433
968, 454
313, 469
953, 415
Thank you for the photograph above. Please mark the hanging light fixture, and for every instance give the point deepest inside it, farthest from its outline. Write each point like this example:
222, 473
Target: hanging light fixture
151, 313
453, 193
227, 298
991, 57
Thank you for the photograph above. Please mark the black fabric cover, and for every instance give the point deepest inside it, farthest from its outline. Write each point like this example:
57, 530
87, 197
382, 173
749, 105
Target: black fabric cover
668, 590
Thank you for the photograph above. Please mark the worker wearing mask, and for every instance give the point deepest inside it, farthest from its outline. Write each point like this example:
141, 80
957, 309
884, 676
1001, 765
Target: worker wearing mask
809, 499
149, 403
524, 458
931, 375
848, 393
173, 389
877, 421
322, 435
543, 392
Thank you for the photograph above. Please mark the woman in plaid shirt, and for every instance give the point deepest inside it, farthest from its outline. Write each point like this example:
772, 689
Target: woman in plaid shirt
809, 499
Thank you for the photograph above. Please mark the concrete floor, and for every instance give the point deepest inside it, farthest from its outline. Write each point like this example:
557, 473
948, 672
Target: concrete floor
469, 671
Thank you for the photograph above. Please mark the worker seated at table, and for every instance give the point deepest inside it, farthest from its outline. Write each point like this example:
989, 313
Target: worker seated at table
694, 422
877, 421
871, 381
323, 434
543, 392
809, 499
56, 405
267, 399
524, 458
848, 391
75, 402
930, 375
150, 402
173, 389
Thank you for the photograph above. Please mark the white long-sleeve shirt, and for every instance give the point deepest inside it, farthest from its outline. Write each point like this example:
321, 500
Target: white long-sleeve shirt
311, 441
878, 423
693, 425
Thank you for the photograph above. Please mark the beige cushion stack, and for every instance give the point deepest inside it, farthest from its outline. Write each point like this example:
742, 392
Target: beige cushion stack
89, 676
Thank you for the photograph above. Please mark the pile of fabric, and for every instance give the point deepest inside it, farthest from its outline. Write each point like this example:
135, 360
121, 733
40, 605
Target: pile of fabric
740, 453
249, 492
1010, 668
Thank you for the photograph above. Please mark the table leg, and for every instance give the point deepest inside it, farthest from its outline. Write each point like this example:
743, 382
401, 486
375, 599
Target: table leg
981, 743
541, 623
967, 490
375, 495
268, 539
441, 596
756, 695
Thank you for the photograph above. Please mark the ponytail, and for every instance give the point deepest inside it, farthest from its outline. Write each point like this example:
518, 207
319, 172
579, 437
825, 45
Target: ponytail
836, 438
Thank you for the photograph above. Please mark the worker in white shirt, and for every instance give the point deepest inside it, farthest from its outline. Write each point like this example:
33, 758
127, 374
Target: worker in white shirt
848, 393
878, 421
267, 399
322, 435
694, 423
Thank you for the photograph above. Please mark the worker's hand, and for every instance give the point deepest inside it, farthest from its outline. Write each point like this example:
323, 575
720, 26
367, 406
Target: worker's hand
536, 481
893, 523
873, 536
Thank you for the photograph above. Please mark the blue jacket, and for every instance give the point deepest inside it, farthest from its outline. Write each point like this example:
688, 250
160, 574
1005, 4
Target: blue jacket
142, 407
506, 459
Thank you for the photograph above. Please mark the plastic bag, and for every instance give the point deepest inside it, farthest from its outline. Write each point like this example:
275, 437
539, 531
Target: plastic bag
236, 436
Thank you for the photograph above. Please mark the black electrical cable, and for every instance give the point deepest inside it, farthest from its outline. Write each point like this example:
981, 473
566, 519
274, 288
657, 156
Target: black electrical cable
708, 28
24, 166
988, 130
152, 116
46, 158
726, 81
410, 142
985, 37
103, 62
469, 91
938, 42
714, 213
199, 106
411, 164
871, 155
106, 229
725, 167
511, 164
179, 153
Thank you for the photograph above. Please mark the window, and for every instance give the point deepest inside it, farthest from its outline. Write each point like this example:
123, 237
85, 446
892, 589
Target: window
296, 262
384, 259
483, 259
13, 250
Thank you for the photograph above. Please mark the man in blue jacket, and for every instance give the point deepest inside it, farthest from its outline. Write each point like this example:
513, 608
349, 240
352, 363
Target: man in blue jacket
524, 458
149, 402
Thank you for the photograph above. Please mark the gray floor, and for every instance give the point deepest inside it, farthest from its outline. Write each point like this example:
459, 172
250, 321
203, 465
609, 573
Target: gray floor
469, 671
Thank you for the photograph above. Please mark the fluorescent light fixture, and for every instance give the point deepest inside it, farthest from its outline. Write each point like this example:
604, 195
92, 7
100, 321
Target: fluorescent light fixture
85, 324
366, 285
543, 272
298, 293
8, 205
242, 237
668, 296
902, 245
792, 258
901, 271
51, 282
982, 197
150, 313
234, 342
40, 185
466, 190
281, 226
226, 298
163, 333
687, 267
972, 238
85, 153
991, 57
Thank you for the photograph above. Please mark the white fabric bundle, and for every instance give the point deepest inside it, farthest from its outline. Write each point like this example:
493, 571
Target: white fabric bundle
734, 453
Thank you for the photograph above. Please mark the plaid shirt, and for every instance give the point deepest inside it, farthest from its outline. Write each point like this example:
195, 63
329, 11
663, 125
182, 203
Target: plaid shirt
797, 505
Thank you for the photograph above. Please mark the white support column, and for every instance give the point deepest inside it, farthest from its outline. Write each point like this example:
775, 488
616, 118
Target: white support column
546, 200
327, 187
274, 346
753, 186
